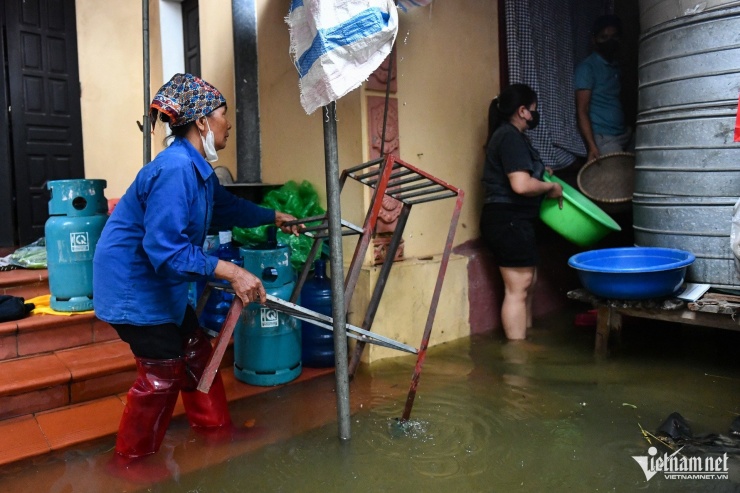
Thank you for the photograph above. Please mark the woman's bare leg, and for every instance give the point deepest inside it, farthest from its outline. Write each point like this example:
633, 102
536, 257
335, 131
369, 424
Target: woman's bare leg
518, 282
530, 295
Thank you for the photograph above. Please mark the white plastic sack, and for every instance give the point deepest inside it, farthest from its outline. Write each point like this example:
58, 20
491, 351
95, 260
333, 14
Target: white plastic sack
337, 44
735, 234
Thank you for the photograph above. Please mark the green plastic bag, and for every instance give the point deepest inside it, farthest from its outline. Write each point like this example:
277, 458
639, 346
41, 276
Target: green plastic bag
31, 256
297, 200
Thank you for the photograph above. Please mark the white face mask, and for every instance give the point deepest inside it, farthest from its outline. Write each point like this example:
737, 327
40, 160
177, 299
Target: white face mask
208, 145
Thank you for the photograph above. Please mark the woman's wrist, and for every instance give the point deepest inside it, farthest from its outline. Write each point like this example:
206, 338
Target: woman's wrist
226, 270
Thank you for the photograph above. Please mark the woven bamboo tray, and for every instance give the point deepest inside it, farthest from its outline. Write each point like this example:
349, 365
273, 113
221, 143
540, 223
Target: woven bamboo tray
609, 179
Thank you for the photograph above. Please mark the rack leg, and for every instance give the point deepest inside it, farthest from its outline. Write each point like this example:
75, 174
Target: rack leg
607, 320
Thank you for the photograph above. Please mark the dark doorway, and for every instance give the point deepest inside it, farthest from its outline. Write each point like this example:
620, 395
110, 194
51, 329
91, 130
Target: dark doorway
191, 36
43, 137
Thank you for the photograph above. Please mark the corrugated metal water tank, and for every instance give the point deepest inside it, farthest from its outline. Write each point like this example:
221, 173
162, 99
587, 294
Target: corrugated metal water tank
687, 172
654, 12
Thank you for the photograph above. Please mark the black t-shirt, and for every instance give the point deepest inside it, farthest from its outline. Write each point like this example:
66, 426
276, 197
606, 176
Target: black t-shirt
509, 150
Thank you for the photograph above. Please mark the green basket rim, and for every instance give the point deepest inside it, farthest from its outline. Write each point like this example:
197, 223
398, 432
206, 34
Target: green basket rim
568, 192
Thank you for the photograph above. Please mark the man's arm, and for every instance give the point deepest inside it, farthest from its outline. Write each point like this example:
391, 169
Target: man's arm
583, 103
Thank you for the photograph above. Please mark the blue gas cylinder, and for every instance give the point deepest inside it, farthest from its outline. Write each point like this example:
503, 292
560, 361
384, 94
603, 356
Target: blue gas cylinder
78, 210
318, 343
267, 343
219, 301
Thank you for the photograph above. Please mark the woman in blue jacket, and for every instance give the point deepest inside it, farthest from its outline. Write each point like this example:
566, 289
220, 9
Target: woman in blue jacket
151, 249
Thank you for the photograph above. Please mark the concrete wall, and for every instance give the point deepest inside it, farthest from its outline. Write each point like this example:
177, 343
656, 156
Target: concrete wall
217, 63
447, 73
406, 301
448, 70
109, 44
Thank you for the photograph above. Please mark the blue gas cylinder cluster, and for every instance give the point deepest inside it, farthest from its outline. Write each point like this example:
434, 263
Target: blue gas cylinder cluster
219, 301
267, 342
318, 343
78, 210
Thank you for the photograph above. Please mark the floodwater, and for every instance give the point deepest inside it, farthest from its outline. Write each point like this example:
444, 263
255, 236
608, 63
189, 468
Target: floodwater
489, 416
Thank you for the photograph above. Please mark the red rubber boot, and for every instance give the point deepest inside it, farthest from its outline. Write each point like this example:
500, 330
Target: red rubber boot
149, 406
203, 410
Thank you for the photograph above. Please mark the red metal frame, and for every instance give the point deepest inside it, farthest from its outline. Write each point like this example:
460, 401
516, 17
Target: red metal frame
406, 184
409, 185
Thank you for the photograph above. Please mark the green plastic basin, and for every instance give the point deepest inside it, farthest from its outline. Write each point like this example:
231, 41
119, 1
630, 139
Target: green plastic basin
580, 221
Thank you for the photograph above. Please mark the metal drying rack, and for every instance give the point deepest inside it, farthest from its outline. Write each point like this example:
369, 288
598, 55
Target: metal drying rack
388, 176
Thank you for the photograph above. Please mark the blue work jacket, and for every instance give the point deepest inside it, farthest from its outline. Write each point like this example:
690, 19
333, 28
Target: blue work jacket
152, 245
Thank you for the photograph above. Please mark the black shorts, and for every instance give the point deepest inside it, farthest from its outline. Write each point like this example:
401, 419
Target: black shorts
163, 341
510, 237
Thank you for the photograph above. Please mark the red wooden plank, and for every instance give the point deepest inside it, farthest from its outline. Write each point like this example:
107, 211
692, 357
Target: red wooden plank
221, 343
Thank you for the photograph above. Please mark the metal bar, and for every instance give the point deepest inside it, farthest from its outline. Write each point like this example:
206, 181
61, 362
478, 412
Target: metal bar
306, 269
224, 336
325, 235
394, 176
433, 308
339, 312
325, 322
370, 174
397, 190
414, 177
372, 162
370, 220
431, 199
420, 193
358, 337
387, 96
385, 271
430, 177
147, 126
305, 220
344, 223
324, 225
319, 227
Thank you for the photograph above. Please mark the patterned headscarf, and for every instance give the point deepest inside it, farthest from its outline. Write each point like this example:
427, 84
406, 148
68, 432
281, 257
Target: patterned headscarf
185, 98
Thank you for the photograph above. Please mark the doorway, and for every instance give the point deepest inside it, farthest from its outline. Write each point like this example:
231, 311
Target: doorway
40, 125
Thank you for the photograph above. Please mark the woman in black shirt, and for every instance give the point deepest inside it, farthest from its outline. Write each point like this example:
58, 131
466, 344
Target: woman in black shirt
513, 186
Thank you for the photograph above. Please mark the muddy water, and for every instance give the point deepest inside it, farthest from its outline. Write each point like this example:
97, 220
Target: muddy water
543, 415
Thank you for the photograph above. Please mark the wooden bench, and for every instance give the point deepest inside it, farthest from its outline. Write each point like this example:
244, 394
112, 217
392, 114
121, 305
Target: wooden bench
715, 310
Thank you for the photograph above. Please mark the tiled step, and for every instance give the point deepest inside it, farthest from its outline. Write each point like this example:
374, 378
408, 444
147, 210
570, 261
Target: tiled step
70, 376
37, 334
25, 283
60, 378
36, 434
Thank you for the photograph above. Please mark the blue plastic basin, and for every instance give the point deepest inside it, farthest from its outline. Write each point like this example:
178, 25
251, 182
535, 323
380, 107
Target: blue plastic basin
632, 273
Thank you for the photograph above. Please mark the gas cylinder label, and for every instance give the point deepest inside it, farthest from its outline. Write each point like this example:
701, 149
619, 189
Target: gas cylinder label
79, 242
268, 317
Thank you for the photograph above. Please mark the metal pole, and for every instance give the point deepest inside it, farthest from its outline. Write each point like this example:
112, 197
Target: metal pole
339, 314
246, 77
147, 129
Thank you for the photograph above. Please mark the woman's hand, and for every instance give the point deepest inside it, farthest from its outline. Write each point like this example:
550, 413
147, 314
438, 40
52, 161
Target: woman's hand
246, 285
556, 192
281, 218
